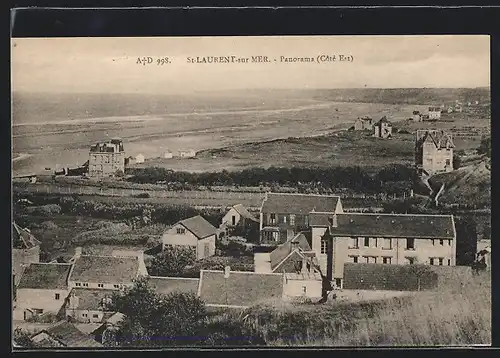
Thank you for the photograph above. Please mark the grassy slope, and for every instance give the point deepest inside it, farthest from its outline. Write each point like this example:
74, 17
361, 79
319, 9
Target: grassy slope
456, 315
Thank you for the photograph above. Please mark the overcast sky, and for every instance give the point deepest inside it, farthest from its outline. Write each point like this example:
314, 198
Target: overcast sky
109, 64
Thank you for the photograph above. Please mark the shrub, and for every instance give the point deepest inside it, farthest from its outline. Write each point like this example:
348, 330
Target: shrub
172, 261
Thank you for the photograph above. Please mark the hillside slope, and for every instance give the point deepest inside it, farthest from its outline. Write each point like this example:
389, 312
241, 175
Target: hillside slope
468, 185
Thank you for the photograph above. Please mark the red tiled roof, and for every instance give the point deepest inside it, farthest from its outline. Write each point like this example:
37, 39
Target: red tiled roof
299, 204
200, 227
45, 276
240, 289
393, 225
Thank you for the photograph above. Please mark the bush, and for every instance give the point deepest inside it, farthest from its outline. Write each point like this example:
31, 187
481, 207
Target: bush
172, 261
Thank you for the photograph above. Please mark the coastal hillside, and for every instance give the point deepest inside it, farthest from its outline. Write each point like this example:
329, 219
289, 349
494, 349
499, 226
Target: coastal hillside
468, 185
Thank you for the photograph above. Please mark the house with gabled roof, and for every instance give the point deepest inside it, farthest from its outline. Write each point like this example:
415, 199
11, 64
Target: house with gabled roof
42, 289
382, 128
284, 215
434, 151
195, 232
434, 112
392, 239
63, 334
238, 215
88, 305
25, 250
104, 272
363, 123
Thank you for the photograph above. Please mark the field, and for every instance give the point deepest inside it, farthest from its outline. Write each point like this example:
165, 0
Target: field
56, 130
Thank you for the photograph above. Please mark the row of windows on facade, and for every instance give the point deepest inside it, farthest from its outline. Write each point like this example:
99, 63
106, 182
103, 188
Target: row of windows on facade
95, 315
100, 285
273, 221
388, 260
448, 161
386, 244
99, 167
181, 230
106, 158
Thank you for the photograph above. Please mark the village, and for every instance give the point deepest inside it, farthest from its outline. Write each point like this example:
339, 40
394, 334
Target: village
304, 248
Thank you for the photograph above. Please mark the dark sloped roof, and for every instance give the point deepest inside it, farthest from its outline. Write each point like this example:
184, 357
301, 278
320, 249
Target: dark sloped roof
91, 299
166, 285
299, 204
45, 276
200, 227
244, 212
320, 219
285, 249
240, 289
105, 269
70, 336
393, 225
22, 238
383, 120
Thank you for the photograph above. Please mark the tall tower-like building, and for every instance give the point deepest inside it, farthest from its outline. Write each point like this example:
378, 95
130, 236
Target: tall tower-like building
106, 159
434, 151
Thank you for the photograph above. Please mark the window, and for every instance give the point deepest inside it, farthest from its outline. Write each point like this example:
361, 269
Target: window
410, 260
338, 282
304, 289
181, 230
447, 161
366, 259
284, 219
116, 286
372, 260
354, 259
85, 285
95, 315
433, 242
292, 219
272, 218
78, 284
441, 242
57, 296
410, 244
84, 315
100, 285
386, 260
431, 260
387, 244
367, 241
354, 243
440, 261
449, 242
324, 246
449, 262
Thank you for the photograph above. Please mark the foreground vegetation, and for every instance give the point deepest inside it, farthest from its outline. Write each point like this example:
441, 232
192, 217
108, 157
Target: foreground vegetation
459, 314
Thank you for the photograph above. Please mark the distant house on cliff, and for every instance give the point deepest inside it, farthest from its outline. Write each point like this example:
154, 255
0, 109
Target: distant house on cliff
139, 158
168, 155
434, 112
363, 123
190, 153
434, 151
383, 128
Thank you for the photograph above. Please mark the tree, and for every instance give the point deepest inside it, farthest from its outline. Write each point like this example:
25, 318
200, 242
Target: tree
172, 261
485, 146
457, 161
419, 271
22, 338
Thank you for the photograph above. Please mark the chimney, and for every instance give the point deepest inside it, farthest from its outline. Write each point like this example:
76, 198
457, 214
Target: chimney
334, 221
74, 301
227, 270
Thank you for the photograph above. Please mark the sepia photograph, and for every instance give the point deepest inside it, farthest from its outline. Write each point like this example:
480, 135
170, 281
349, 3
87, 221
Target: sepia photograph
251, 191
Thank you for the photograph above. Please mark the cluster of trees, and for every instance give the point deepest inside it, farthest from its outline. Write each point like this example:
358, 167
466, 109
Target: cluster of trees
174, 320
485, 146
354, 178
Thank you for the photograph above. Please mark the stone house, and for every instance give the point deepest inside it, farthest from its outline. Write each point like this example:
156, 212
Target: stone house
363, 123
433, 151
283, 215
392, 239
139, 158
195, 232
190, 153
25, 250
106, 158
434, 113
42, 289
383, 128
